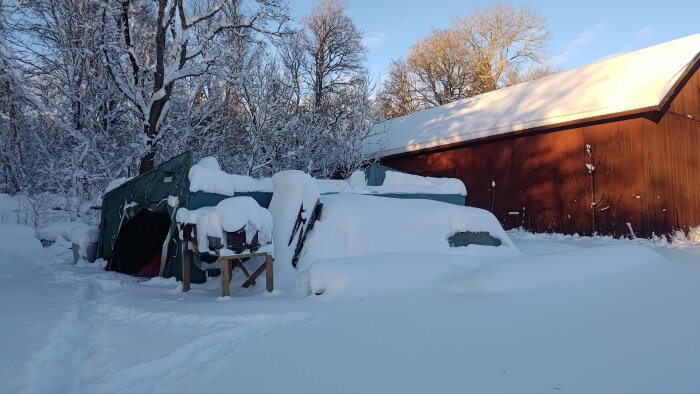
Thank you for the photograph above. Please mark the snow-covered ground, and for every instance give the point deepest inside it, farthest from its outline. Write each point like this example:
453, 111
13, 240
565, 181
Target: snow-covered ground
575, 315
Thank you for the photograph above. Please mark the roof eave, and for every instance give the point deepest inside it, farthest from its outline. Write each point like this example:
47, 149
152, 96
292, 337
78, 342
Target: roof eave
652, 113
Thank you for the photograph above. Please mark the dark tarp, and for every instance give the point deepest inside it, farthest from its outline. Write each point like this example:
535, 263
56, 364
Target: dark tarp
136, 216
147, 212
121, 209
376, 173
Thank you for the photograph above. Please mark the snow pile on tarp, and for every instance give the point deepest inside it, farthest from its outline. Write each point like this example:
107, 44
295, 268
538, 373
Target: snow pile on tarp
207, 176
115, 183
231, 214
435, 185
293, 191
67, 233
394, 183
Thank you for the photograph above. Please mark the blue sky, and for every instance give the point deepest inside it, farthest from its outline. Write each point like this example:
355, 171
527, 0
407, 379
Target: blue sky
582, 31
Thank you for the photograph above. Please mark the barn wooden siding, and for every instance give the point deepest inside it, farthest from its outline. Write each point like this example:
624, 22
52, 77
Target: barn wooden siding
647, 172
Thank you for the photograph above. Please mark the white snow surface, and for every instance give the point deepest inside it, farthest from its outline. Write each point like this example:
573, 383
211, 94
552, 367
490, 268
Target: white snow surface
78, 233
231, 214
574, 314
293, 190
358, 225
394, 183
207, 176
615, 84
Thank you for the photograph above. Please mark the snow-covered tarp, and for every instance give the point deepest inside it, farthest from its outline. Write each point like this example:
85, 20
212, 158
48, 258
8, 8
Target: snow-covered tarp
357, 225
627, 82
207, 176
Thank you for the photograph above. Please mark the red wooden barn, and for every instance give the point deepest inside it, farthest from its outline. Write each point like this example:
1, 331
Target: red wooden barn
612, 146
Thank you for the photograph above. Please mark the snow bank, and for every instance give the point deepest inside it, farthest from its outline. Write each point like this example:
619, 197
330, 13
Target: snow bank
556, 269
17, 239
230, 214
73, 232
357, 225
381, 274
293, 190
207, 176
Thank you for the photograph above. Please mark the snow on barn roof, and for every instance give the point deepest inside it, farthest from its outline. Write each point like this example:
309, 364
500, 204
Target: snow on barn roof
622, 83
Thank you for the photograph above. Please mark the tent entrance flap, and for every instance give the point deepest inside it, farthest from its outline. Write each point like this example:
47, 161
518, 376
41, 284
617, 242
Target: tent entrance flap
139, 242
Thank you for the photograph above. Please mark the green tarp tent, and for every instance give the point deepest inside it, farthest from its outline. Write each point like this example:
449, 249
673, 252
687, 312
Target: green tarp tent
138, 228
138, 219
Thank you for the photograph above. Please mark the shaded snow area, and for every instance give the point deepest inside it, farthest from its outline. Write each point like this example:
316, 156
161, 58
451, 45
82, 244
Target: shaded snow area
544, 314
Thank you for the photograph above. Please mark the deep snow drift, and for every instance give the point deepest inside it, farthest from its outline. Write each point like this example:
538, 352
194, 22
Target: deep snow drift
584, 315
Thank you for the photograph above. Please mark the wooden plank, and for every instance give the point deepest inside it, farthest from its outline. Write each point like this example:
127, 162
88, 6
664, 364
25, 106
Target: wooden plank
269, 277
255, 275
185, 263
225, 277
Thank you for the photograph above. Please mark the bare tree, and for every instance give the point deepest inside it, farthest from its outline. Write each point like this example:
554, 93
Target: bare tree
443, 67
503, 38
489, 49
336, 49
182, 46
397, 96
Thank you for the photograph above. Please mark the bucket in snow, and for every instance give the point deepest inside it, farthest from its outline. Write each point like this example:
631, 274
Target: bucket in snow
89, 254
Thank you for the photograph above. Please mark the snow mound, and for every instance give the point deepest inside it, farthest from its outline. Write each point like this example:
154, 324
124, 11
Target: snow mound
115, 183
230, 214
380, 275
436, 185
394, 183
359, 225
69, 232
556, 269
18, 239
293, 191
207, 176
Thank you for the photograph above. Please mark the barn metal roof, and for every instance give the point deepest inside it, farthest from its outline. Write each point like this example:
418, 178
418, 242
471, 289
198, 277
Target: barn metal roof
617, 84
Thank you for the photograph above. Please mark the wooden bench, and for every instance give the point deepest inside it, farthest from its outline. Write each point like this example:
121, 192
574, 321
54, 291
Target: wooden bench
228, 260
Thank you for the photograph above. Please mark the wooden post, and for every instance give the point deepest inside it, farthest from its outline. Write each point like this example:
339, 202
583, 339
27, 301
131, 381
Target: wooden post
185, 264
225, 277
269, 281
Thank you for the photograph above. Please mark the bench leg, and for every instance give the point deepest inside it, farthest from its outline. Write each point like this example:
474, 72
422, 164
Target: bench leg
225, 277
185, 267
269, 281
